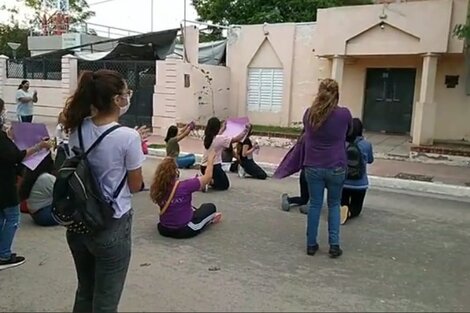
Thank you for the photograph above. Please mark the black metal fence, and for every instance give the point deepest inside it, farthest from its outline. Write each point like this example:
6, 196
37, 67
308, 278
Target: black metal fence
43, 68
140, 77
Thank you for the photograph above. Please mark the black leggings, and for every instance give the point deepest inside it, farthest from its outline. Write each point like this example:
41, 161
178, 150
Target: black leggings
253, 169
304, 196
219, 177
201, 218
354, 200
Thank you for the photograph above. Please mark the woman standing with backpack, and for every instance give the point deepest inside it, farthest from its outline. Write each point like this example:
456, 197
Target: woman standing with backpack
102, 257
360, 154
326, 125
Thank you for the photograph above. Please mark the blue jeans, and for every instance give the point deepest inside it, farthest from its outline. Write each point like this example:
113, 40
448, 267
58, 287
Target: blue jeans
9, 221
318, 179
43, 217
186, 161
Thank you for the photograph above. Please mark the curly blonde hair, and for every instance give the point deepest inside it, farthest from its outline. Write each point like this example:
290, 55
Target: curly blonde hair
325, 102
165, 176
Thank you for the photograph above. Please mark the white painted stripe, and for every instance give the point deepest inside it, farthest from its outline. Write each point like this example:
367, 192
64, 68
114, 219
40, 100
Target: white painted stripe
203, 223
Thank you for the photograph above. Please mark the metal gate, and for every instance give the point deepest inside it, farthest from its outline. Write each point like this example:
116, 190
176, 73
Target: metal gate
140, 77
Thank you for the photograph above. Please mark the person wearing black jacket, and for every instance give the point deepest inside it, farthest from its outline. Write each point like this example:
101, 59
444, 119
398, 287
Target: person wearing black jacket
10, 160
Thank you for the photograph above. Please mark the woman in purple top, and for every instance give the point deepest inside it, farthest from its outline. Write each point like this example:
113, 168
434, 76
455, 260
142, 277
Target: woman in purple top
326, 126
179, 219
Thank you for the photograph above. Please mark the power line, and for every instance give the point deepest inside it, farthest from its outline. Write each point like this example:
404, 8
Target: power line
100, 2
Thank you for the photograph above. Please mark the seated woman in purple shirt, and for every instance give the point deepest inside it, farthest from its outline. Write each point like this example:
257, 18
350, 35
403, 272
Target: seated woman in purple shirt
179, 219
326, 127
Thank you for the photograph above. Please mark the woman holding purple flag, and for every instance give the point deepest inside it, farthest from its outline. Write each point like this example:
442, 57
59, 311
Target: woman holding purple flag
326, 126
10, 158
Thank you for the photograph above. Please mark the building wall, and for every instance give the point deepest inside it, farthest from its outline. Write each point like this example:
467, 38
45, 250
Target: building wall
453, 105
287, 46
185, 92
408, 28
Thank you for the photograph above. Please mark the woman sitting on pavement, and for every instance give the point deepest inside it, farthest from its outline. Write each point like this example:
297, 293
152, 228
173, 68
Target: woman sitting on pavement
178, 218
173, 148
248, 165
37, 189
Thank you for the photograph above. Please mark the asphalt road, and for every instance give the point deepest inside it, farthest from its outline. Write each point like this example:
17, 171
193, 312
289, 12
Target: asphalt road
406, 252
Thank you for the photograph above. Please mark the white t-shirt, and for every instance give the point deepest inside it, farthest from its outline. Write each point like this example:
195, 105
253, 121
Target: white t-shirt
219, 143
24, 108
119, 152
41, 193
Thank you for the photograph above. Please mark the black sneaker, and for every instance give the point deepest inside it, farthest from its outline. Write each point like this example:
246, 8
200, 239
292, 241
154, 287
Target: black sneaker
14, 261
311, 250
335, 251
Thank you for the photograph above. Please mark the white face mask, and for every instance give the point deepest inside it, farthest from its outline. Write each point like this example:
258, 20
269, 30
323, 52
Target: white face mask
123, 110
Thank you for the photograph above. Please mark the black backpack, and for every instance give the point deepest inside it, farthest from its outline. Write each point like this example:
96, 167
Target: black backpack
78, 201
356, 165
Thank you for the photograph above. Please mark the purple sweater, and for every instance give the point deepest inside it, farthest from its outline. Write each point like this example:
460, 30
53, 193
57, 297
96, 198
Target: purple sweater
325, 146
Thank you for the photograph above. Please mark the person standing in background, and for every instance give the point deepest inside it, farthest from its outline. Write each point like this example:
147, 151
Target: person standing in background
24, 102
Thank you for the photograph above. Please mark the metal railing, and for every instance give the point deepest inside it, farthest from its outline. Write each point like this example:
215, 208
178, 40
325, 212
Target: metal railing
35, 69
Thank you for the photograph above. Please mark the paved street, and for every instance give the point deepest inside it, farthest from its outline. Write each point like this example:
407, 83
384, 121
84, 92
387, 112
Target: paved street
406, 253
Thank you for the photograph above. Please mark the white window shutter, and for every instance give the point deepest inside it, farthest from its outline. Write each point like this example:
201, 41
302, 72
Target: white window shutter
265, 89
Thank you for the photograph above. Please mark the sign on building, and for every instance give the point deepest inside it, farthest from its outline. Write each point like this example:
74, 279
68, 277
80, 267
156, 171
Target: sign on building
70, 40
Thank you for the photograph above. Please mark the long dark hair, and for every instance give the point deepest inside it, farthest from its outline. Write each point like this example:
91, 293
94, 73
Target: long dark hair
171, 133
22, 83
30, 177
2, 104
357, 129
240, 144
95, 89
212, 130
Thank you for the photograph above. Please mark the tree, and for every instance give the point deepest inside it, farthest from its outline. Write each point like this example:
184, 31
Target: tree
13, 33
229, 12
79, 10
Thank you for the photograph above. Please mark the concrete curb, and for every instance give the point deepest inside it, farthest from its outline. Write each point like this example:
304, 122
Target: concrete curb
376, 182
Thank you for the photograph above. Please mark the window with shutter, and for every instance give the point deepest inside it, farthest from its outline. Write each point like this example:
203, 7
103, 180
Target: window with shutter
265, 89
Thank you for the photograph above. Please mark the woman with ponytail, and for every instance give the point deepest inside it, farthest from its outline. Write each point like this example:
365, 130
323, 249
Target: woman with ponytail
102, 258
213, 139
326, 126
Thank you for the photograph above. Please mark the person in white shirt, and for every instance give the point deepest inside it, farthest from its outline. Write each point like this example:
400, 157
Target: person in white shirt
24, 102
62, 142
102, 258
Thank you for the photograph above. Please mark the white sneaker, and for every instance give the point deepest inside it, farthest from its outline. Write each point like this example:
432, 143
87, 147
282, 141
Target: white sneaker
241, 172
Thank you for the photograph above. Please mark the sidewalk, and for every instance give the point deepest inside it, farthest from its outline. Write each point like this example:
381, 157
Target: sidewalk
437, 173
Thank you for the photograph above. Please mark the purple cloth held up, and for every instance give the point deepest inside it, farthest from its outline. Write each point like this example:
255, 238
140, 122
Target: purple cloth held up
292, 162
26, 135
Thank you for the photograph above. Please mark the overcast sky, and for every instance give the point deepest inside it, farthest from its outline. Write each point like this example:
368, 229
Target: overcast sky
134, 14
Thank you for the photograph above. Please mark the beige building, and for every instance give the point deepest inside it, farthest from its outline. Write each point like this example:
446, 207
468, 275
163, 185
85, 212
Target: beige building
399, 67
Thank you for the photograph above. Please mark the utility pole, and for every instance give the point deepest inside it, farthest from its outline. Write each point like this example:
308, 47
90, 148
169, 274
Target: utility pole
151, 15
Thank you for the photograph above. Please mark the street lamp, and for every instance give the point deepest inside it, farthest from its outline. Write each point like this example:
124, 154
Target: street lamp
14, 46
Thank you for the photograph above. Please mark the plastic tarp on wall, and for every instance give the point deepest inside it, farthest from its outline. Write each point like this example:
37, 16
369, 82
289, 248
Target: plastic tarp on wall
212, 53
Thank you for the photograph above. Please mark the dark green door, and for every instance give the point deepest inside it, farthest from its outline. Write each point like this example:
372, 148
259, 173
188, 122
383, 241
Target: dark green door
388, 101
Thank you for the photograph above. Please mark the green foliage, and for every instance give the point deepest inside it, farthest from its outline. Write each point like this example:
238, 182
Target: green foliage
462, 31
229, 12
13, 33
79, 9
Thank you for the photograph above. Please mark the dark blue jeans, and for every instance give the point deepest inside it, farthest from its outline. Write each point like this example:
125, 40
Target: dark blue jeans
9, 221
318, 179
101, 261
43, 217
